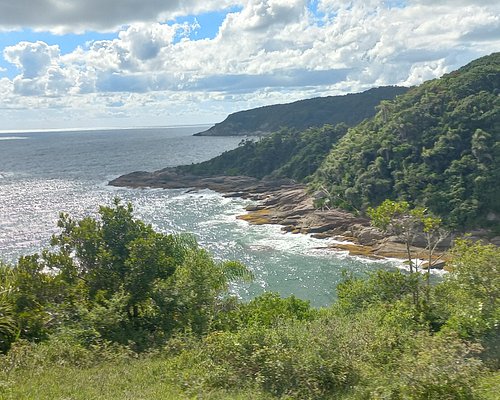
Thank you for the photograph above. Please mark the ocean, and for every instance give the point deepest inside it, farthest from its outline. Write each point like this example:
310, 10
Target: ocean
45, 173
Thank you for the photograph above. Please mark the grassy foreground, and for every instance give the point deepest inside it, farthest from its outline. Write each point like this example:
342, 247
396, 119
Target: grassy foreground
141, 379
130, 313
145, 378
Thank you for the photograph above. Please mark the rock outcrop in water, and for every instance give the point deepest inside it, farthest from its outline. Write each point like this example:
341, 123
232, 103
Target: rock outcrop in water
173, 178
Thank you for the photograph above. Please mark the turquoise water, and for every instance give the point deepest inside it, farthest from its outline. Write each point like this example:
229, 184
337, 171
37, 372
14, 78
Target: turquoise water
44, 173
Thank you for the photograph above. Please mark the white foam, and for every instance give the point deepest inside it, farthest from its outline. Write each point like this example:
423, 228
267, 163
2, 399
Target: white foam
13, 138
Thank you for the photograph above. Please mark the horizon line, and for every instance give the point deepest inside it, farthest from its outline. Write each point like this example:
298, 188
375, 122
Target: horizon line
42, 130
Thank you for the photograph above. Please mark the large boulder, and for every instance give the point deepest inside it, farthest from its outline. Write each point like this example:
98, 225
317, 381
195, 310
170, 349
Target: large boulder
369, 235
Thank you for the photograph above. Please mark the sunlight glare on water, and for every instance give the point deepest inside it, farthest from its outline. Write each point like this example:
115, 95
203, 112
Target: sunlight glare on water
50, 172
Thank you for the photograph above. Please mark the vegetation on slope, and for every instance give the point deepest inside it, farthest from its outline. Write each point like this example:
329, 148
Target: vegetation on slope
126, 312
350, 109
437, 146
284, 154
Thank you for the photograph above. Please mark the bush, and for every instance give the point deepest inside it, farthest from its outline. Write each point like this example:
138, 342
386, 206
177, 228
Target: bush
295, 360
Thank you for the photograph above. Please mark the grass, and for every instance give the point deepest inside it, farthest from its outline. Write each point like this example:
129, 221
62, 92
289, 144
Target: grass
490, 386
41, 372
143, 379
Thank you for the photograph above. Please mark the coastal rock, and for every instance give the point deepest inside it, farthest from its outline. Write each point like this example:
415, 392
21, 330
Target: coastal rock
436, 265
391, 249
282, 202
289, 221
173, 178
321, 228
253, 207
369, 236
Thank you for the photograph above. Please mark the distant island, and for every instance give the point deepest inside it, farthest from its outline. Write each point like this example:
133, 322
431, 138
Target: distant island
349, 109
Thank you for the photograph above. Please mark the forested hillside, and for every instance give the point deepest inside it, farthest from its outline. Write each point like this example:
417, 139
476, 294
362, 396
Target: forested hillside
350, 109
437, 146
284, 154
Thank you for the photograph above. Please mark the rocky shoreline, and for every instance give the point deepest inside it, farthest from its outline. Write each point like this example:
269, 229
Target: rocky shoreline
285, 203
292, 207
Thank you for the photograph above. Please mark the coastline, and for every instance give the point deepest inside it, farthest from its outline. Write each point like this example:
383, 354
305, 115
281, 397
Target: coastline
293, 209
286, 203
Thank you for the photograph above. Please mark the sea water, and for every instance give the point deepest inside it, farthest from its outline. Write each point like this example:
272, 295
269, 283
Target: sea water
45, 173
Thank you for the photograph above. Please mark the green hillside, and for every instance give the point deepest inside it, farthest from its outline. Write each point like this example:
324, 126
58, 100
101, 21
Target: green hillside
350, 109
437, 146
284, 154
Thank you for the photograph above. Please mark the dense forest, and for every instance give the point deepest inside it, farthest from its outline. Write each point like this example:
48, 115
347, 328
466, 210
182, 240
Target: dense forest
349, 109
284, 154
115, 310
437, 146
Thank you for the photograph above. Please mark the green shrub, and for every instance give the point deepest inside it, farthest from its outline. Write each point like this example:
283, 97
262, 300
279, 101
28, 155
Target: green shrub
295, 360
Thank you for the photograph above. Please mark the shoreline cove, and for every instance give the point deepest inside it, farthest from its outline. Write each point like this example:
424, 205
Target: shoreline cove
287, 203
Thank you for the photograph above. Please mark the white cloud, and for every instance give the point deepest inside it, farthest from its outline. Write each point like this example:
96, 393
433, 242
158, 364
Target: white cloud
144, 41
269, 51
261, 15
33, 59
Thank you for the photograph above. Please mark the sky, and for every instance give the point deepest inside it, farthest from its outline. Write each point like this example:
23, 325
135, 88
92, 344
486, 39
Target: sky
130, 63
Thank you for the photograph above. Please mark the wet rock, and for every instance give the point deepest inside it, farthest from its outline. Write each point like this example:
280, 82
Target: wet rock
321, 235
289, 221
321, 228
253, 207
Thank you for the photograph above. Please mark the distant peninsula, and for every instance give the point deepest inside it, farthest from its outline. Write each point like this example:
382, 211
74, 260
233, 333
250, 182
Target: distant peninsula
349, 109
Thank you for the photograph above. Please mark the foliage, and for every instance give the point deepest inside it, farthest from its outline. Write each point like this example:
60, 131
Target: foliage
304, 114
41, 372
399, 219
428, 368
119, 280
283, 361
270, 309
470, 296
356, 294
284, 154
169, 326
8, 325
437, 146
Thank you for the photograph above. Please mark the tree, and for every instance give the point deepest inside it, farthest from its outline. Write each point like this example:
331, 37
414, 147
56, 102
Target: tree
434, 233
116, 276
397, 218
201, 287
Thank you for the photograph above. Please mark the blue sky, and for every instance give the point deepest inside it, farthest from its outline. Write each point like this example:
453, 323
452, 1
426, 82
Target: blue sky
150, 62
67, 43
208, 26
